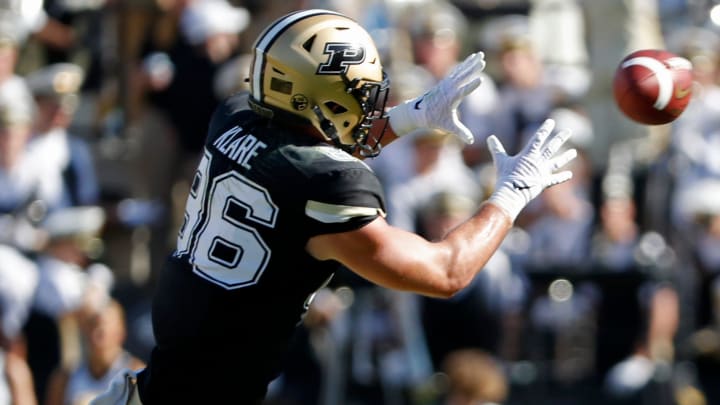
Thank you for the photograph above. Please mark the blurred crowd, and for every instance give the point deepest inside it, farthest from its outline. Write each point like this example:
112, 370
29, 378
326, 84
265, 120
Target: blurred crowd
606, 291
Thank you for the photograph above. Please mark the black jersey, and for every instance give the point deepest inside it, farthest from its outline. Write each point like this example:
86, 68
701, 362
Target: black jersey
236, 287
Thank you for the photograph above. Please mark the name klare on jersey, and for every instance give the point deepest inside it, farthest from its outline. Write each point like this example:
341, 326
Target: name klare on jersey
238, 148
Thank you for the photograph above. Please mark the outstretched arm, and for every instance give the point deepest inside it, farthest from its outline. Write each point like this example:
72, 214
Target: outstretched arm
401, 260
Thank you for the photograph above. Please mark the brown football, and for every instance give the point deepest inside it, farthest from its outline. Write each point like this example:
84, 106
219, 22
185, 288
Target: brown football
653, 86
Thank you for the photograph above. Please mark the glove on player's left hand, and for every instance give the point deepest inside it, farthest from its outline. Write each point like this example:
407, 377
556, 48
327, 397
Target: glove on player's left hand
522, 177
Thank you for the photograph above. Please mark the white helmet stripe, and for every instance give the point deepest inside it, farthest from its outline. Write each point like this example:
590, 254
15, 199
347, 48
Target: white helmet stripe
663, 75
268, 37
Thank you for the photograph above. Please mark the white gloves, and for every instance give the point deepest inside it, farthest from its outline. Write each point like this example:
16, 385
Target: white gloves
437, 109
522, 177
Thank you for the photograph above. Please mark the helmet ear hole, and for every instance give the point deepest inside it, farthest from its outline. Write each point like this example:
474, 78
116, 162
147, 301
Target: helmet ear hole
335, 108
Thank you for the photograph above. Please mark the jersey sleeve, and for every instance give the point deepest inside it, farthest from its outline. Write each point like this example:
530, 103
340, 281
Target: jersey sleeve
343, 193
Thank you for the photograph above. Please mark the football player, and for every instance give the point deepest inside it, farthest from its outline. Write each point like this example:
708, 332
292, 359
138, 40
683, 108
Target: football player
281, 199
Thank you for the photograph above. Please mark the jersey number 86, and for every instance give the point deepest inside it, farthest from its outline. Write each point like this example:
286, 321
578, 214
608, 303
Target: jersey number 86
218, 230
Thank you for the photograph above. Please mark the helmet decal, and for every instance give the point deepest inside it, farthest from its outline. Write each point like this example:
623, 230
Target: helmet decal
299, 102
269, 36
342, 55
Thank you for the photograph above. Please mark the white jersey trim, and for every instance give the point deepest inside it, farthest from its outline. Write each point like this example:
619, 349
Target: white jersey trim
336, 213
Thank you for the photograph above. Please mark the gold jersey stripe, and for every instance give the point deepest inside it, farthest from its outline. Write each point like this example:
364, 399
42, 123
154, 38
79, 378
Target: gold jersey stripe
335, 213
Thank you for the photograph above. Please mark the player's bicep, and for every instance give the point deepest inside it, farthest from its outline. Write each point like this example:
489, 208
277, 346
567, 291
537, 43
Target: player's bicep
387, 256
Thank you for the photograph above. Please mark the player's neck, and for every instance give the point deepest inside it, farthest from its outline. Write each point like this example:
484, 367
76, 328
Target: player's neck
301, 130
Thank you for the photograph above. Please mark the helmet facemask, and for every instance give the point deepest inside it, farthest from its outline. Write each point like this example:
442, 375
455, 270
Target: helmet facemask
372, 97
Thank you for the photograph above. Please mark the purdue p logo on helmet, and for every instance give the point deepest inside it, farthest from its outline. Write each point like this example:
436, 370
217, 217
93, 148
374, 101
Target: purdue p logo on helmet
342, 55
323, 68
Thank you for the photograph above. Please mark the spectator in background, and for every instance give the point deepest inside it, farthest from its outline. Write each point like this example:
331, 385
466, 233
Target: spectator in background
208, 36
566, 212
639, 307
103, 333
33, 20
56, 89
78, 32
526, 96
646, 374
400, 166
613, 246
474, 377
690, 177
317, 371
694, 136
22, 179
11, 39
232, 75
18, 279
16, 383
28, 185
613, 30
483, 315
561, 306
557, 28
439, 33
696, 133
698, 208
437, 166
70, 281
12, 88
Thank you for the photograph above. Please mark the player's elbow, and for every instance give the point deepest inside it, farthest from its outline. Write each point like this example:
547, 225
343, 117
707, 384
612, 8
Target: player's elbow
456, 276
452, 286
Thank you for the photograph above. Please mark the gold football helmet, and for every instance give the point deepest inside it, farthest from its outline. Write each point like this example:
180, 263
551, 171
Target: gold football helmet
323, 67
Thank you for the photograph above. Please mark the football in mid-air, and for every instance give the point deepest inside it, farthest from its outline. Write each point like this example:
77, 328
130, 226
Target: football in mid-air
653, 86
